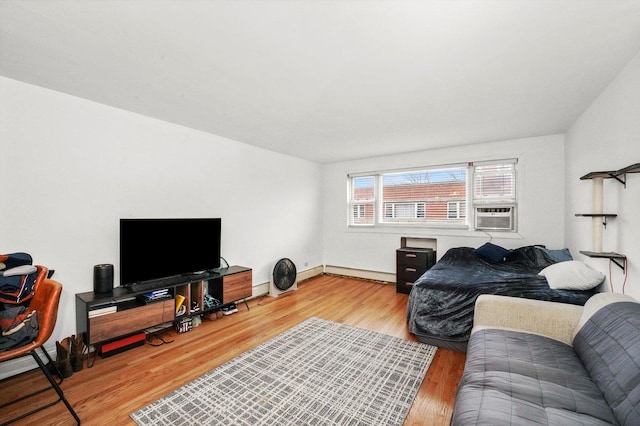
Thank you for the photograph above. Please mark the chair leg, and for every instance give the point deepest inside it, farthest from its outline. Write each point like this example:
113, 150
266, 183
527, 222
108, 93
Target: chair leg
54, 385
54, 365
34, 393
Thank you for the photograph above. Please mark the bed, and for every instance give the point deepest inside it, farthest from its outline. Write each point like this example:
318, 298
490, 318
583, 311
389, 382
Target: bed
441, 303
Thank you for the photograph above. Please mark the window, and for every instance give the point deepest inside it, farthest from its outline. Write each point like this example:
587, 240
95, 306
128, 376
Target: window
422, 196
494, 183
405, 211
434, 197
456, 209
494, 196
416, 196
359, 211
362, 200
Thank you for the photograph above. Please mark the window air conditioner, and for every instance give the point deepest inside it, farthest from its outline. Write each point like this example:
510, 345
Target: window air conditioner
495, 218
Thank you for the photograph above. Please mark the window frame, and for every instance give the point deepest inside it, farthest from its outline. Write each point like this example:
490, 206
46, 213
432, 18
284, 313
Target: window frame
465, 210
353, 204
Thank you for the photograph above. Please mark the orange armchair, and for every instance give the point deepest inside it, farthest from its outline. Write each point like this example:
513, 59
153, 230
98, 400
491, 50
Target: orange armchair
45, 302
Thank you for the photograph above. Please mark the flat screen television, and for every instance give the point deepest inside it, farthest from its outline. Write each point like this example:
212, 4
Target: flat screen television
152, 249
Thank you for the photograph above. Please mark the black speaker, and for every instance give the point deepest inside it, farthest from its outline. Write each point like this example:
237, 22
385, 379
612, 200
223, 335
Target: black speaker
103, 278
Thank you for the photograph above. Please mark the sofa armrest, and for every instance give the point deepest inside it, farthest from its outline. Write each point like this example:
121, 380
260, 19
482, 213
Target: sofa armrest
551, 319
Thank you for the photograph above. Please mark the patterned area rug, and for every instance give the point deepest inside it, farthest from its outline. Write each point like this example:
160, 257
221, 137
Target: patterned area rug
317, 373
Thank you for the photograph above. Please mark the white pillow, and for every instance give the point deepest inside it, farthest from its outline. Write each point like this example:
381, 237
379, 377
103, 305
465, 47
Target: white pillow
572, 275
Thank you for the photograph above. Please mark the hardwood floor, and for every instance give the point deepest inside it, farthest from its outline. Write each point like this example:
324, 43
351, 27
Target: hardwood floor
116, 386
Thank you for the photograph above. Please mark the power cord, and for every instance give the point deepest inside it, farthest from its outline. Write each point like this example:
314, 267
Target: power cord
626, 272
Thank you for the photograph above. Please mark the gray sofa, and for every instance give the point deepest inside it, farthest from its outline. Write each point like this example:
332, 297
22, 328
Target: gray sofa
534, 362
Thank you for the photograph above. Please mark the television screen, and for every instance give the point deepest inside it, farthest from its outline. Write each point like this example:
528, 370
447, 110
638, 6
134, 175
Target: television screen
152, 249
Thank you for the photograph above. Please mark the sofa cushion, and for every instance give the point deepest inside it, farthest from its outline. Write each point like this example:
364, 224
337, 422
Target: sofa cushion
608, 345
521, 379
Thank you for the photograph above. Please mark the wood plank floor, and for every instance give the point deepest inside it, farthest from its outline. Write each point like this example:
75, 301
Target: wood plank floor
116, 386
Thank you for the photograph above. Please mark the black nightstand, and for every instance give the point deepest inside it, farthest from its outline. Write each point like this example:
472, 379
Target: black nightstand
411, 263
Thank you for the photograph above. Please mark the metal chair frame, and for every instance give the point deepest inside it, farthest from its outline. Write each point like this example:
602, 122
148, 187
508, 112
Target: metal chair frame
45, 302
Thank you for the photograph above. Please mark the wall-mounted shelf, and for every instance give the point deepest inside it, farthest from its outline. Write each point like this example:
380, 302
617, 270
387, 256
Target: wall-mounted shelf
619, 175
617, 258
604, 216
634, 168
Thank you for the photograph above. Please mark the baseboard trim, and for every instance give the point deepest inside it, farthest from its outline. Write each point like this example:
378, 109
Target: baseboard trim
260, 290
360, 273
310, 273
23, 364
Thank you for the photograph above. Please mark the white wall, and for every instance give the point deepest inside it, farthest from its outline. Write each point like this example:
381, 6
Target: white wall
607, 137
540, 203
72, 168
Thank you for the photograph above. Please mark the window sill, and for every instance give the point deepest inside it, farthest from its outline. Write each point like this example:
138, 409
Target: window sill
451, 231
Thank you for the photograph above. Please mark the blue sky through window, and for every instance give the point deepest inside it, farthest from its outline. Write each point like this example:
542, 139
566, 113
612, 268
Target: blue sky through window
425, 176
414, 177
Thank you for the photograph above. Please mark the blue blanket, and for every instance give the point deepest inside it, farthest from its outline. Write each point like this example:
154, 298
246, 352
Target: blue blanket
441, 302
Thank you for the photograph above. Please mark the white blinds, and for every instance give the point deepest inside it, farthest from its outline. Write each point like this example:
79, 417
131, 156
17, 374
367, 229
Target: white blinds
495, 183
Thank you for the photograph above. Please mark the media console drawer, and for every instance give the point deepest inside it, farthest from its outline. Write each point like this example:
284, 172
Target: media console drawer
236, 286
117, 324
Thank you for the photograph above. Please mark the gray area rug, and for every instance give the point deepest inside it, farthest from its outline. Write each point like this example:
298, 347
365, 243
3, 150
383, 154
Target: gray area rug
317, 373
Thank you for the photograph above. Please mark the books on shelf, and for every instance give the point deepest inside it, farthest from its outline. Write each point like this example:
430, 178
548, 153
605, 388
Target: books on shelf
155, 296
127, 302
102, 310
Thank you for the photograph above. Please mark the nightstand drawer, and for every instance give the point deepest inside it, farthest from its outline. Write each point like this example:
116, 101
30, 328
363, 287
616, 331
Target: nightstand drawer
404, 286
409, 274
416, 258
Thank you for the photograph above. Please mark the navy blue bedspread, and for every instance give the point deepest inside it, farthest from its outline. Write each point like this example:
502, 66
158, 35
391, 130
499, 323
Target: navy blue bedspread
441, 302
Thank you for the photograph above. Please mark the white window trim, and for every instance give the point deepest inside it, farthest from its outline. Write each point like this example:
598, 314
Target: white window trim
378, 205
351, 203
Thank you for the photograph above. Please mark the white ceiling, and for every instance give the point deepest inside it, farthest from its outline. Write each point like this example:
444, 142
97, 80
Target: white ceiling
329, 80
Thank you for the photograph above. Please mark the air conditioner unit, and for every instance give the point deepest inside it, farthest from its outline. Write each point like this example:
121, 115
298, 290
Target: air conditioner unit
495, 218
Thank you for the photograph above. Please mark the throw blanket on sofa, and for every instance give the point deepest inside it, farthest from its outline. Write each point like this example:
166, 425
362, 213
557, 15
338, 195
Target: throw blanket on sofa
441, 303
515, 377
